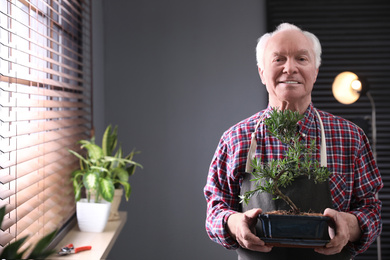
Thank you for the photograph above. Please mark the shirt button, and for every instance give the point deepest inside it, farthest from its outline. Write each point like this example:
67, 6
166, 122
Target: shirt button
304, 135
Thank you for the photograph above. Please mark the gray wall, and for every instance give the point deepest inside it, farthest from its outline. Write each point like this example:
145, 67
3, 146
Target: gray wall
176, 75
98, 68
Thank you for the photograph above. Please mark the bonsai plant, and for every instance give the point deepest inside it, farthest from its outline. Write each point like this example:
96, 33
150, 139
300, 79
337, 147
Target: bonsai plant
13, 250
102, 169
277, 174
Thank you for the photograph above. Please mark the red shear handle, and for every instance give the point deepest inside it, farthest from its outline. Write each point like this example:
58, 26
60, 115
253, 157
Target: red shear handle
82, 248
69, 246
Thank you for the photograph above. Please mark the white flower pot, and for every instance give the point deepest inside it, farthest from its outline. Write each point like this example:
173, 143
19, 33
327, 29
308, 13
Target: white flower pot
92, 217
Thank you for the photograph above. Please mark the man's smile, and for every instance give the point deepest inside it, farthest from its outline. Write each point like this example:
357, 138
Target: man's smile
289, 82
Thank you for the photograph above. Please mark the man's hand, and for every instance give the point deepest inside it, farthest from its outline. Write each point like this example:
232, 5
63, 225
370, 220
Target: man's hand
241, 226
346, 229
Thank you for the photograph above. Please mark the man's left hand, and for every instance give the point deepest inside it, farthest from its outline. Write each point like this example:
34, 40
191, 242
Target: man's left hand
346, 229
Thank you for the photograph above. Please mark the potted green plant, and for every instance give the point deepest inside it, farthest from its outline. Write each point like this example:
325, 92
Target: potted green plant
121, 169
298, 167
101, 170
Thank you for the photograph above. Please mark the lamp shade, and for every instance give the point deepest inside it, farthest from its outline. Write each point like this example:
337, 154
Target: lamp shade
347, 87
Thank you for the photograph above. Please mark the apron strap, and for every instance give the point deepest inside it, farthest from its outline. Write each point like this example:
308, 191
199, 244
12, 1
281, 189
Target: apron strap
253, 145
323, 154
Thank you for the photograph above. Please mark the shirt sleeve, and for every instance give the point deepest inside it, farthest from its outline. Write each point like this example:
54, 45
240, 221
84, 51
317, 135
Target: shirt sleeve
221, 193
364, 204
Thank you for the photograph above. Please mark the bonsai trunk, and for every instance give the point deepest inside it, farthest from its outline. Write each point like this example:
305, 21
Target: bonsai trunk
278, 193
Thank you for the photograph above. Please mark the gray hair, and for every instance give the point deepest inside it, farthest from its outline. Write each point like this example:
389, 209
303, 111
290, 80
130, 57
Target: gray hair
262, 42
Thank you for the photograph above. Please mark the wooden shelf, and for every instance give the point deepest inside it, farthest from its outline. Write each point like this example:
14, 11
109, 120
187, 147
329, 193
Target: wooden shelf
101, 242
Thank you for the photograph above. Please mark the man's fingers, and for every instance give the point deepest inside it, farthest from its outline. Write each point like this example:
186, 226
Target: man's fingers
339, 234
253, 213
245, 233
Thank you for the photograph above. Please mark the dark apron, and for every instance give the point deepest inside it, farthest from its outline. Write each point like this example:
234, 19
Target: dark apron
305, 194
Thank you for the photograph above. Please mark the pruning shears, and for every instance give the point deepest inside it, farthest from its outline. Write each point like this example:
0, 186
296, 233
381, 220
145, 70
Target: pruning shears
70, 249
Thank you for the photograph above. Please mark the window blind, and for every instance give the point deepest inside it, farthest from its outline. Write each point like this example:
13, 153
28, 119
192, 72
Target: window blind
45, 108
354, 35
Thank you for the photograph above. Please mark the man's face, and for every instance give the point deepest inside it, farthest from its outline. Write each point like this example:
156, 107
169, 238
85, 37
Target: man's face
289, 69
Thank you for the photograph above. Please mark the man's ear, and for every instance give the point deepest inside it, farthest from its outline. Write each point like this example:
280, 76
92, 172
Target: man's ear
261, 73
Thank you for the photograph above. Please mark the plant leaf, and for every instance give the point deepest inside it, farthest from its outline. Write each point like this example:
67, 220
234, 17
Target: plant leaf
105, 140
127, 188
130, 170
77, 191
11, 250
109, 140
121, 174
90, 180
79, 156
77, 173
107, 189
94, 151
99, 169
40, 250
2, 214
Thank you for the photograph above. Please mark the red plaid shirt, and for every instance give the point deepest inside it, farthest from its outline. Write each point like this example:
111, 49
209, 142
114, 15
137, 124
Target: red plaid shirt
354, 181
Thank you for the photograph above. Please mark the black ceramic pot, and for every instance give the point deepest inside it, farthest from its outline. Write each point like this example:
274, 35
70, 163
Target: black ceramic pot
293, 230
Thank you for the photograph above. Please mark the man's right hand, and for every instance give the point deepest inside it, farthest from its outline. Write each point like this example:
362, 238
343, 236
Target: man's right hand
241, 226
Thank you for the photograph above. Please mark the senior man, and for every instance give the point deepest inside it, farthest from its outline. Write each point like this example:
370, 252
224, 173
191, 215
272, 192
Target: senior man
288, 63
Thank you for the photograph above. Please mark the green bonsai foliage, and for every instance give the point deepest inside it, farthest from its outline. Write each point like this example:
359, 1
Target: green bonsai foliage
13, 250
298, 160
103, 169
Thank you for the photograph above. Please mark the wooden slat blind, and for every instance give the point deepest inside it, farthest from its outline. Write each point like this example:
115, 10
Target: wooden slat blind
45, 107
355, 36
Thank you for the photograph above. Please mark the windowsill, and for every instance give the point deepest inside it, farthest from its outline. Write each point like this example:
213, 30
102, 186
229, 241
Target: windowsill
101, 242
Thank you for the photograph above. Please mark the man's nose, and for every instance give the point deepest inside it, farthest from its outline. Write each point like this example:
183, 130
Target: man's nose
290, 66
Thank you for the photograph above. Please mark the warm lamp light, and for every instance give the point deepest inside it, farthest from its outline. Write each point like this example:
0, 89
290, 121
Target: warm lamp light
347, 87
356, 85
